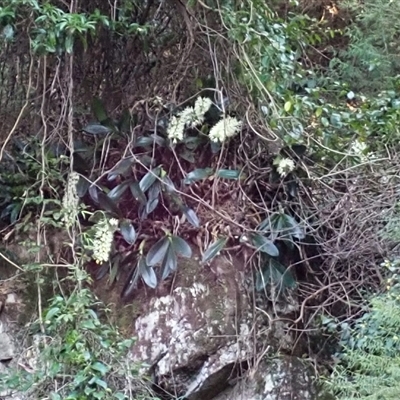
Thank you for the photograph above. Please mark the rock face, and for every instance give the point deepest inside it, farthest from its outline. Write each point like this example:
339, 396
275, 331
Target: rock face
286, 378
196, 336
7, 344
200, 341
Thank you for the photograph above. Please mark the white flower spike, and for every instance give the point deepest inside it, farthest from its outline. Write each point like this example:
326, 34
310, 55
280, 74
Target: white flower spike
225, 128
285, 166
103, 239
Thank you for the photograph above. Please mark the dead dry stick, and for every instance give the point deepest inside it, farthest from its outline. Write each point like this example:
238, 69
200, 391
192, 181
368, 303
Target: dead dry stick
303, 305
10, 262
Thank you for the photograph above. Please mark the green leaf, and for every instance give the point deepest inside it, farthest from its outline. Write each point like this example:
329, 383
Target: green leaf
128, 231
261, 243
274, 273
228, 174
157, 252
325, 122
192, 142
153, 195
292, 188
96, 129
288, 106
168, 184
149, 179
181, 247
94, 193
99, 110
269, 224
51, 313
108, 204
336, 120
294, 228
147, 273
137, 193
119, 396
100, 367
214, 249
191, 216
169, 264
197, 175
188, 156
117, 192
144, 141
131, 282
101, 383
114, 269
158, 140
82, 186
215, 147
79, 164
124, 124
102, 271
142, 212
121, 168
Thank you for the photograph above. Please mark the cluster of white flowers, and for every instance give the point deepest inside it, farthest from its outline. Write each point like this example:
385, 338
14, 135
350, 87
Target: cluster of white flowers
201, 106
103, 239
190, 116
359, 149
225, 128
285, 166
70, 200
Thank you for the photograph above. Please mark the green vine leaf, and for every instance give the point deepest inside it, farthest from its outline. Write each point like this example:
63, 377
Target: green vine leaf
100, 367
52, 313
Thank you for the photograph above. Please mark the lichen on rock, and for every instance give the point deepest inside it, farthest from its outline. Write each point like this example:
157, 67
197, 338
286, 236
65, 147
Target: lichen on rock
195, 332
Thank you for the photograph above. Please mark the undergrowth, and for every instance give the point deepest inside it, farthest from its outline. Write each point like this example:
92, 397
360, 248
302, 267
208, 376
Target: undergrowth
206, 127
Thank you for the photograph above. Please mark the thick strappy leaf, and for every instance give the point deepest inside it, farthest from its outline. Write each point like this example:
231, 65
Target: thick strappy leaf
214, 249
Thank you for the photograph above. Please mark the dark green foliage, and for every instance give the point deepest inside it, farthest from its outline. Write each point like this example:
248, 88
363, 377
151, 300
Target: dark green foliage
369, 362
81, 352
371, 61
